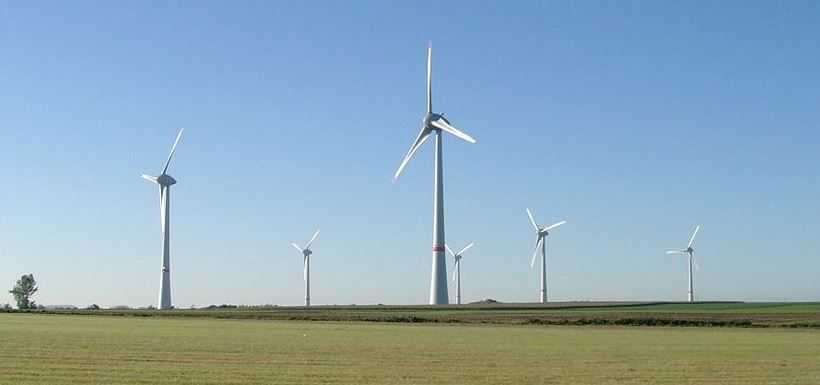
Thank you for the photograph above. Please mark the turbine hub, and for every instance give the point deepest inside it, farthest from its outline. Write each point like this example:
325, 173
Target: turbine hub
430, 118
307, 252
166, 180
689, 249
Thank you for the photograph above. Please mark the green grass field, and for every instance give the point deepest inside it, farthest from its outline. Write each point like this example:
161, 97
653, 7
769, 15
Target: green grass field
70, 349
724, 314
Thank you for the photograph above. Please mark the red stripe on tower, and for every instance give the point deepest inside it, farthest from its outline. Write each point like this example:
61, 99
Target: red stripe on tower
438, 248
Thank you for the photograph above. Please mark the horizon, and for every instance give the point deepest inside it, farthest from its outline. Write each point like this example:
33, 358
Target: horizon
634, 122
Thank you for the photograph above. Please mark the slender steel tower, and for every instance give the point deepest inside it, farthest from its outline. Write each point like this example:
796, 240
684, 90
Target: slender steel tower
435, 123
306, 253
541, 240
457, 269
690, 252
165, 182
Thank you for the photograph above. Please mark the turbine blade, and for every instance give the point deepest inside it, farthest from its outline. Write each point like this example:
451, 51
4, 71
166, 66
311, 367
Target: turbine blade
305, 262
535, 254
532, 220
445, 126
465, 248
676, 252
173, 149
429, 77
692, 240
559, 224
446, 246
297, 247
695, 262
423, 135
313, 238
455, 264
149, 178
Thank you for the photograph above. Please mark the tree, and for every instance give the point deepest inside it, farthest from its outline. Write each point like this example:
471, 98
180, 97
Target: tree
26, 287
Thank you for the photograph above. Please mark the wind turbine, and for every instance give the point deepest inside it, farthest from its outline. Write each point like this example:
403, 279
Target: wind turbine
541, 240
434, 123
689, 250
165, 182
457, 269
306, 252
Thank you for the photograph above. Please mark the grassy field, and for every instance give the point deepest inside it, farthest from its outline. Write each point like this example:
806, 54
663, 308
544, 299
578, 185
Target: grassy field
724, 314
68, 349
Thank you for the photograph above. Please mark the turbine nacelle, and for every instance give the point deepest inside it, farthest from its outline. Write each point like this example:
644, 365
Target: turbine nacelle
166, 180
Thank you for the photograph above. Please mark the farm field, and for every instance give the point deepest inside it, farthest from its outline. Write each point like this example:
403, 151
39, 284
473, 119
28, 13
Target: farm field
71, 349
731, 314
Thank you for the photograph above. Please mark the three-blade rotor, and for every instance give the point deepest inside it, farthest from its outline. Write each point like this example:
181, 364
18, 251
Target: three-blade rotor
432, 121
689, 249
457, 256
163, 178
541, 234
306, 250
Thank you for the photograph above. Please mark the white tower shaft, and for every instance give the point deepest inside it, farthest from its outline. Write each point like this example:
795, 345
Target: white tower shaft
438, 280
544, 270
165, 278
691, 293
458, 282
307, 280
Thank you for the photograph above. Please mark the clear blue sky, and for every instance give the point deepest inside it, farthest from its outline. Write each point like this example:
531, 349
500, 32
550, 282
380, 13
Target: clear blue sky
632, 120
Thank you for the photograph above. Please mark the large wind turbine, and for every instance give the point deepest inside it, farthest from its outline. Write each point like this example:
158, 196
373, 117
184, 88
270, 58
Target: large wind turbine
434, 123
306, 252
541, 240
165, 182
457, 269
689, 250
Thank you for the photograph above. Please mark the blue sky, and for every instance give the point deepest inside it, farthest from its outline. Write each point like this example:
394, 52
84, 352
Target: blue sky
632, 120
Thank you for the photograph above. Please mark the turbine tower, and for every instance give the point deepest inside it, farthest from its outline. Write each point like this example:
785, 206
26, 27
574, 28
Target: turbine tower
541, 240
434, 123
689, 250
306, 252
165, 182
457, 269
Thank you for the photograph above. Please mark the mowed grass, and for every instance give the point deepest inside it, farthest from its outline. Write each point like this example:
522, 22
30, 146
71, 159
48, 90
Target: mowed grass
63, 349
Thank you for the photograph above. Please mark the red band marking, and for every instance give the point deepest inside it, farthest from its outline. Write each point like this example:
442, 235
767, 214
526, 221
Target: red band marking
438, 248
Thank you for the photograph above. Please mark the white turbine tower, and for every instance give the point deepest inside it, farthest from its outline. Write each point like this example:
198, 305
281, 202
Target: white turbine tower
165, 182
306, 252
434, 123
541, 240
690, 251
457, 269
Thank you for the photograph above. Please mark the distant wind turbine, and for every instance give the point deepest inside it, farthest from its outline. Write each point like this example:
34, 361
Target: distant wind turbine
434, 123
165, 182
457, 269
690, 251
541, 240
306, 252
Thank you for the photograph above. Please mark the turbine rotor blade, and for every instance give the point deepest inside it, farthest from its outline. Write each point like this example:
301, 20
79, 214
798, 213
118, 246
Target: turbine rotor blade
535, 254
455, 264
297, 247
423, 135
446, 246
559, 224
532, 220
466, 248
313, 238
692, 240
149, 178
173, 149
429, 77
444, 126
676, 252
695, 262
